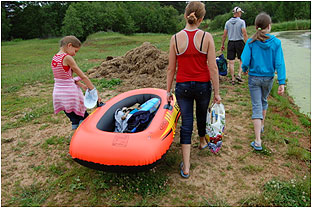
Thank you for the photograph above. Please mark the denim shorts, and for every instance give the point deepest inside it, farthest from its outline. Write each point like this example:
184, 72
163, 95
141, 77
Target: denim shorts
186, 94
260, 88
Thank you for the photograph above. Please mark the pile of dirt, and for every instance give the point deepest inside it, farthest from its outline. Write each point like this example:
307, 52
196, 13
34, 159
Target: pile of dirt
141, 67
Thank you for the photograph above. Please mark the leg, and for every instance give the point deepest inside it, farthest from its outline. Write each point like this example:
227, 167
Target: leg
266, 89
231, 66
257, 128
202, 98
240, 70
231, 57
185, 100
262, 122
186, 155
239, 50
256, 95
74, 118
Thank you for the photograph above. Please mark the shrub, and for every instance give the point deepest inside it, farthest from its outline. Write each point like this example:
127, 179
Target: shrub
219, 21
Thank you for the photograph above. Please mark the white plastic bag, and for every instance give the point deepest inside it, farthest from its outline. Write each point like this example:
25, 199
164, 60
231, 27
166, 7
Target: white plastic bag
90, 98
215, 127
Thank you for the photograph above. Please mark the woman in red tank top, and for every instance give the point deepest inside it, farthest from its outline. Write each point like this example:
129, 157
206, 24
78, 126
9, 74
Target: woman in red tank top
192, 55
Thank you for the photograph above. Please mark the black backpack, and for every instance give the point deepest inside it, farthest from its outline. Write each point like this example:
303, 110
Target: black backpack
222, 65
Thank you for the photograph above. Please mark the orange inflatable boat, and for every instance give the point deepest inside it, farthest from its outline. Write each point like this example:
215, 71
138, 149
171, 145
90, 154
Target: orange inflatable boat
96, 145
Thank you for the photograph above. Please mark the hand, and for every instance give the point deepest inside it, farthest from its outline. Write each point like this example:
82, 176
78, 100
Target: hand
169, 96
222, 48
281, 89
217, 99
84, 87
245, 73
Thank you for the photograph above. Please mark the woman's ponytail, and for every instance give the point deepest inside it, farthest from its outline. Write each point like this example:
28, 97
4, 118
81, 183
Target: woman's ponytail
191, 19
194, 11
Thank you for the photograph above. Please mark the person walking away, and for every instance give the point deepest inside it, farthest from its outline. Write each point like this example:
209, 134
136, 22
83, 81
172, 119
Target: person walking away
235, 29
191, 49
261, 57
67, 95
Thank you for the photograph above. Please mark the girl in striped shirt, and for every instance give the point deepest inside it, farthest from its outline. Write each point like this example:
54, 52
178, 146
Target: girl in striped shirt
67, 95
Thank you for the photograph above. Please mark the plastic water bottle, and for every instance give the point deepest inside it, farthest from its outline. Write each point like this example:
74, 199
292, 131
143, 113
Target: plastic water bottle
213, 114
151, 105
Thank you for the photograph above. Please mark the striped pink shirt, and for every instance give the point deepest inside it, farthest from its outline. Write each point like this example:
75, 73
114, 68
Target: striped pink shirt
67, 96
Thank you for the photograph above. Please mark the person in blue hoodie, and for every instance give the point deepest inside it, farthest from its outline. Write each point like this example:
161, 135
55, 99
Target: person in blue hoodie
261, 57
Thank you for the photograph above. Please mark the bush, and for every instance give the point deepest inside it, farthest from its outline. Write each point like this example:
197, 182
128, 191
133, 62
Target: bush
219, 21
292, 25
85, 18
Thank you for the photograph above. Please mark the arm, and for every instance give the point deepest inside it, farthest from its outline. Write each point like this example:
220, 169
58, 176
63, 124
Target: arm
246, 57
223, 39
69, 60
171, 68
280, 68
212, 65
84, 87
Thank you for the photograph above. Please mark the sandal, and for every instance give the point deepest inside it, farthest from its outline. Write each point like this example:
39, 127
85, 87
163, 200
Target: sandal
233, 82
253, 144
201, 148
182, 173
238, 78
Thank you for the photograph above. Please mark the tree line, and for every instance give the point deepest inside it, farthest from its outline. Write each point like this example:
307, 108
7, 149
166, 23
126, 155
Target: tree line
42, 19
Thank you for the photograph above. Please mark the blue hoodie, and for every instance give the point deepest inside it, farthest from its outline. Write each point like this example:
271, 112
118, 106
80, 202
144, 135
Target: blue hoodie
263, 58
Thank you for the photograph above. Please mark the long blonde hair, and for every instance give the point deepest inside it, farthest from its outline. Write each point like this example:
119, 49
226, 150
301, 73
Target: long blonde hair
194, 11
262, 21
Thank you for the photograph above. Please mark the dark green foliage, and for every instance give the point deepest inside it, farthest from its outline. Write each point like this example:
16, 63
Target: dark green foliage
5, 25
85, 18
33, 19
215, 8
43, 19
279, 11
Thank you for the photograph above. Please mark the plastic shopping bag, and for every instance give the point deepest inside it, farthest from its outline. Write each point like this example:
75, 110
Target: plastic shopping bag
215, 127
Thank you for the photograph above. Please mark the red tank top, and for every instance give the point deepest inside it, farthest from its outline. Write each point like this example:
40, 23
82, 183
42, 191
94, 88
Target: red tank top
192, 63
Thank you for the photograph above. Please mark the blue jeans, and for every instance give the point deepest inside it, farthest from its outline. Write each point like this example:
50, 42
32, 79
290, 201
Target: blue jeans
186, 93
259, 88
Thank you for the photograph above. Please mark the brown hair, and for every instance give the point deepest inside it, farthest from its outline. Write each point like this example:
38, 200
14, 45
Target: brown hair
262, 21
194, 11
70, 39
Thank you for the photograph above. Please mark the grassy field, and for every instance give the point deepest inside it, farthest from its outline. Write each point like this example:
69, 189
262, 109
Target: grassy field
38, 171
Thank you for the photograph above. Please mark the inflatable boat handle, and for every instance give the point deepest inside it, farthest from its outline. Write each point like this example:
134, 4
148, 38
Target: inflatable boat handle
168, 106
99, 104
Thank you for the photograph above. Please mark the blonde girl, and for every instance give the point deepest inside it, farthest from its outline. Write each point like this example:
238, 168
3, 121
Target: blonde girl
67, 95
193, 52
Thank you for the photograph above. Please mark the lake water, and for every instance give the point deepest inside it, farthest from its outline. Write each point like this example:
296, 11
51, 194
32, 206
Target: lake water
297, 53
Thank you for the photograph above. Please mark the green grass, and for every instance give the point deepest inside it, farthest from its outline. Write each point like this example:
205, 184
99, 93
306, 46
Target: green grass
276, 192
292, 25
27, 63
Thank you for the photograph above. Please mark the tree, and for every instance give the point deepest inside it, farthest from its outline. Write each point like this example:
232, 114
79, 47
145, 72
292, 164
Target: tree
5, 25
72, 23
215, 8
